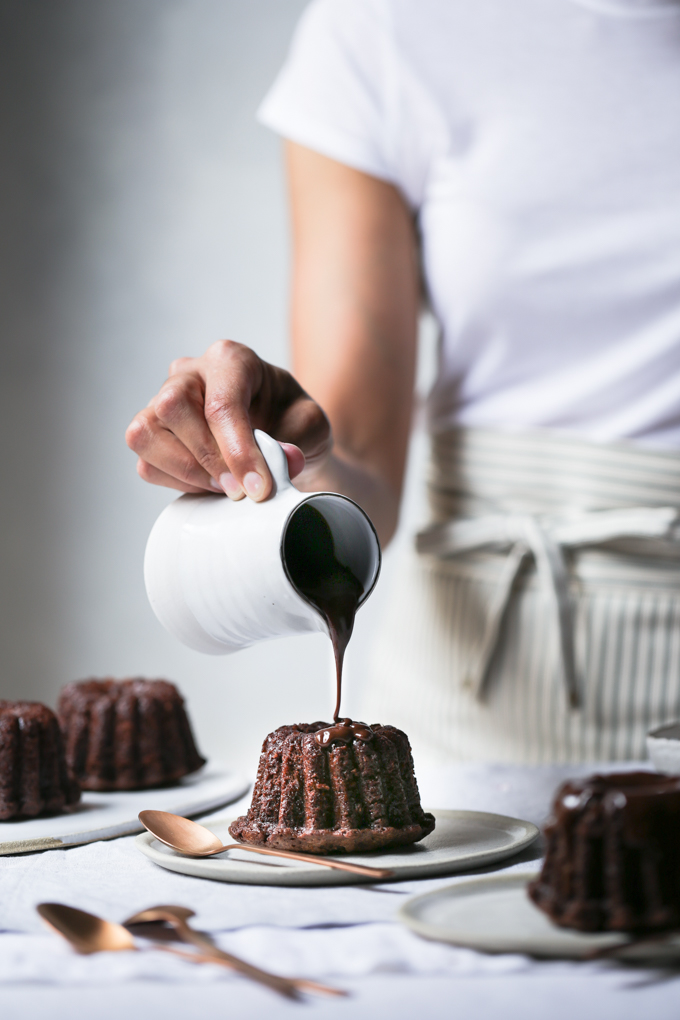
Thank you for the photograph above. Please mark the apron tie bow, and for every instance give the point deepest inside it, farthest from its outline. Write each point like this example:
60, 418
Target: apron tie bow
544, 538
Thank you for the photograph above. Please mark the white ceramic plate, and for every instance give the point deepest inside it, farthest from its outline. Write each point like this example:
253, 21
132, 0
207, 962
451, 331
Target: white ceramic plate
495, 915
107, 815
461, 840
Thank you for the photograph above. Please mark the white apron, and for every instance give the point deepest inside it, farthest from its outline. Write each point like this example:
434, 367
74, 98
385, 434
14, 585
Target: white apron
539, 618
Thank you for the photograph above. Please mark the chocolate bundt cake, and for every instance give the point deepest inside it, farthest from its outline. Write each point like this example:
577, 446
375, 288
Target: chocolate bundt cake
613, 853
33, 773
126, 734
326, 788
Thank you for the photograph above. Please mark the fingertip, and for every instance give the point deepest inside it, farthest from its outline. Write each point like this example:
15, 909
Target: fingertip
231, 486
255, 486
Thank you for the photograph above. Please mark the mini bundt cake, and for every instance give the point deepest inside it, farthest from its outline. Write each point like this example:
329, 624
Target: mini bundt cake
613, 847
33, 773
126, 734
324, 788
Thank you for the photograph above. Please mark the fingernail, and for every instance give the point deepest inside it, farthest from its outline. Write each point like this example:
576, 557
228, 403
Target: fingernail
216, 485
253, 484
230, 485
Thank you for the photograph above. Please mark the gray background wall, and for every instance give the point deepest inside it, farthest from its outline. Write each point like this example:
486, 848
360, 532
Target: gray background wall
142, 216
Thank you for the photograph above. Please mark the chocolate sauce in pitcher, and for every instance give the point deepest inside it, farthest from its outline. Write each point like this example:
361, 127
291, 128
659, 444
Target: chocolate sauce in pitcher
332, 588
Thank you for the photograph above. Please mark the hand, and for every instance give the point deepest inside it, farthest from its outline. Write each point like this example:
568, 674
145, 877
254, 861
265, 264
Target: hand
197, 433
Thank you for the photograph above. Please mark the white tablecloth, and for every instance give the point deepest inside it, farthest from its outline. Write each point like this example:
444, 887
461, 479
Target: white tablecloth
346, 935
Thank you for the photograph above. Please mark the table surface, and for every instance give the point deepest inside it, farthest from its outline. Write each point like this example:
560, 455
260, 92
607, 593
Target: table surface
345, 936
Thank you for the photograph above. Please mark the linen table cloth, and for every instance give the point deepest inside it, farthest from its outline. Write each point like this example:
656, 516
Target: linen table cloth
344, 934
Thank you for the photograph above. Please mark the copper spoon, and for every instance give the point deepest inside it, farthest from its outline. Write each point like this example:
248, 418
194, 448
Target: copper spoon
178, 918
88, 933
195, 840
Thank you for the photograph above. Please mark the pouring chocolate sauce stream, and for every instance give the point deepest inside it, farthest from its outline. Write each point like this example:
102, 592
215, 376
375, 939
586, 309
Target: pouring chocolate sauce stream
335, 591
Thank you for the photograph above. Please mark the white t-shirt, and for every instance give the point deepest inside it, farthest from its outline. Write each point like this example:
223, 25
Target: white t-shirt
538, 143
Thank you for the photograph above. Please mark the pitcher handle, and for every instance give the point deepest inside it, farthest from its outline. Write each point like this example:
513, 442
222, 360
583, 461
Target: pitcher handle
276, 460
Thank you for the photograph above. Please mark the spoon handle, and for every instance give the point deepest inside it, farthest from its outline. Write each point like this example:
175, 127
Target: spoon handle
318, 989
327, 862
284, 986
249, 970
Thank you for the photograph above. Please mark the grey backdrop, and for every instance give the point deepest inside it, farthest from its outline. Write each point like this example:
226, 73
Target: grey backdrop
142, 217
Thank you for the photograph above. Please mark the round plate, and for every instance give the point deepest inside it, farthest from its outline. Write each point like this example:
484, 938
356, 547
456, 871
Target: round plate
461, 840
495, 915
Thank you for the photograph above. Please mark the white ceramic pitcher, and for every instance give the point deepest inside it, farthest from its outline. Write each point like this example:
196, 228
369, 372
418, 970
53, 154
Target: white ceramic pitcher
216, 573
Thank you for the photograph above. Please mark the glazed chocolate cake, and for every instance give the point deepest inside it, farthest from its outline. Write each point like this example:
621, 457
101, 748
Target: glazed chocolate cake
126, 734
324, 788
613, 853
33, 773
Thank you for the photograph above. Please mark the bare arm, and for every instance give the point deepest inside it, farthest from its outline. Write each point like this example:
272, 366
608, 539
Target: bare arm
354, 313
355, 300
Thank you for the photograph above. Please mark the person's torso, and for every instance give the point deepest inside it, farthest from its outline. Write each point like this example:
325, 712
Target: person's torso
540, 142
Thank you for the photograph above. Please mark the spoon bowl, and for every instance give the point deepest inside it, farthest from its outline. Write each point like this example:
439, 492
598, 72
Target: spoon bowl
86, 932
195, 840
181, 833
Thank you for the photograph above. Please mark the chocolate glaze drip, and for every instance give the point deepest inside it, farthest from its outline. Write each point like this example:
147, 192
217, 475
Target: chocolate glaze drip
343, 731
632, 795
329, 585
